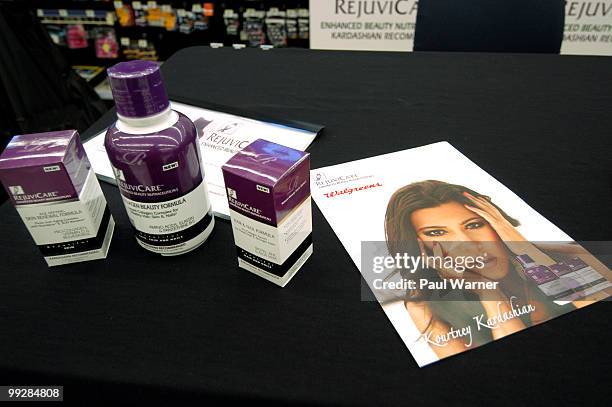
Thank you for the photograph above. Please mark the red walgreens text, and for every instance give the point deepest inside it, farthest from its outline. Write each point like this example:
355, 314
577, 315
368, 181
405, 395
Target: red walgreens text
349, 191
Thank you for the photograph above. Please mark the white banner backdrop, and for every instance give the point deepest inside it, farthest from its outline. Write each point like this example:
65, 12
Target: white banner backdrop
588, 27
389, 25
366, 25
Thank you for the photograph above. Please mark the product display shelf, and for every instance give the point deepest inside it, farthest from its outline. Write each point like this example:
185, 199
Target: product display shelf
104, 32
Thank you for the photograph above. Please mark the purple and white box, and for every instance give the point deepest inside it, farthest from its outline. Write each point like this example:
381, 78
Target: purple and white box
268, 191
55, 191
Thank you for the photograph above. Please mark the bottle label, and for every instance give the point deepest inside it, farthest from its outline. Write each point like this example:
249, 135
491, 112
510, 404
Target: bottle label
169, 227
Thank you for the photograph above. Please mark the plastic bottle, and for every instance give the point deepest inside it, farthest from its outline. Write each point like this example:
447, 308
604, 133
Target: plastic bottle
156, 160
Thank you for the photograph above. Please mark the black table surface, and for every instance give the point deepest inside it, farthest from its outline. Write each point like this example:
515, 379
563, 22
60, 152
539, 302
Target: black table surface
140, 326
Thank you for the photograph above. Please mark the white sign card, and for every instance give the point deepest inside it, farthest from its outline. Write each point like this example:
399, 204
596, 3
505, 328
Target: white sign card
221, 136
588, 27
365, 25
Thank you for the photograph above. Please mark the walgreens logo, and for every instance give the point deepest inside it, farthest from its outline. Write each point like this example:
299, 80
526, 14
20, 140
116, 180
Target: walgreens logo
349, 191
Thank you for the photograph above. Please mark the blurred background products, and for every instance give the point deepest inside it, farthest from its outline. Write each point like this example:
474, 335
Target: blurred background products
91, 35
106, 43
38, 89
76, 36
167, 26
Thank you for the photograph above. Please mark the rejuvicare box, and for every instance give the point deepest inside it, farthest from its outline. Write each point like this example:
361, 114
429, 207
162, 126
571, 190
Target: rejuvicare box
268, 191
49, 180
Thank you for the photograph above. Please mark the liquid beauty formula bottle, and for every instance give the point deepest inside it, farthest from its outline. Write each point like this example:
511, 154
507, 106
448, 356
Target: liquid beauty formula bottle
156, 160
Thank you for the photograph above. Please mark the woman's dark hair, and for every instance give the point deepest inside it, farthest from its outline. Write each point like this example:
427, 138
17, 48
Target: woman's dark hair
399, 232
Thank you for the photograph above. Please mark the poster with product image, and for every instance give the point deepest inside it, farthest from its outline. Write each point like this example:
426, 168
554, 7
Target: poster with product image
455, 258
221, 136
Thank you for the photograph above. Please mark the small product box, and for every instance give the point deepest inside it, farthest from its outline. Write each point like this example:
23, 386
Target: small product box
268, 191
49, 180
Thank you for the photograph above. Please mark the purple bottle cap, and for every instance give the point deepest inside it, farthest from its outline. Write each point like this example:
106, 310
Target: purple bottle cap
138, 88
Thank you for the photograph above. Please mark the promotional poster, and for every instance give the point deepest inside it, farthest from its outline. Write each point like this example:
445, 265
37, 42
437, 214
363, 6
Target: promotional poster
455, 258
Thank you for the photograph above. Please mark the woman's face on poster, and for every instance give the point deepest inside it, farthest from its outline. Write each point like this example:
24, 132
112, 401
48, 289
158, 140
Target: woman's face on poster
461, 232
